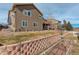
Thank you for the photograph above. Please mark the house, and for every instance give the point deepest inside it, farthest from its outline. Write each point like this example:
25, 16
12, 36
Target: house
51, 24
54, 24
3, 26
26, 17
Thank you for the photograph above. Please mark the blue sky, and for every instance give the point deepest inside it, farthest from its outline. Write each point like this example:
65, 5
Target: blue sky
69, 12
4, 8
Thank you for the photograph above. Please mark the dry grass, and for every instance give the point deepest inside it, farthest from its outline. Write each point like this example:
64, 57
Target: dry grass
23, 36
75, 49
71, 37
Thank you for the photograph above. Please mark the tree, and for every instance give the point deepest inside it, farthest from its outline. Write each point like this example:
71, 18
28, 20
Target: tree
69, 26
1, 27
64, 25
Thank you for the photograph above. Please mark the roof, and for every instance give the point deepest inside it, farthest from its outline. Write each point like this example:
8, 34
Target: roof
22, 4
46, 22
50, 18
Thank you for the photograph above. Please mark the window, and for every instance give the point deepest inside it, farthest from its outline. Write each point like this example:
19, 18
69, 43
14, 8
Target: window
24, 23
41, 17
35, 24
27, 12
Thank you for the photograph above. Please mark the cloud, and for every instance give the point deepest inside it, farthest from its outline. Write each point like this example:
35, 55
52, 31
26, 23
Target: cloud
4, 8
60, 11
69, 12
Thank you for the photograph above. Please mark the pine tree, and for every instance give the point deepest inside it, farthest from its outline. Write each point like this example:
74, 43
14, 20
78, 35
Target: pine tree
65, 25
69, 26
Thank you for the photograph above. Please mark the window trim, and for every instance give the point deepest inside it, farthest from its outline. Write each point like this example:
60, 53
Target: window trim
26, 11
35, 23
24, 26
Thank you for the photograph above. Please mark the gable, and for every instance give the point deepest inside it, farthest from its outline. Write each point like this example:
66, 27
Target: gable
25, 6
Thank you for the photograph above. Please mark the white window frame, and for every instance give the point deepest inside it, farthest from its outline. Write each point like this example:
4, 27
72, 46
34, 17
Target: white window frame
26, 11
25, 22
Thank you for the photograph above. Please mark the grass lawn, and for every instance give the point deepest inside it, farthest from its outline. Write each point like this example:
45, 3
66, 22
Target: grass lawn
23, 36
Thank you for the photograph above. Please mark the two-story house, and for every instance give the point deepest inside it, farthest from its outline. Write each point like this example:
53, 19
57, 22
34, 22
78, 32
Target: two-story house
25, 17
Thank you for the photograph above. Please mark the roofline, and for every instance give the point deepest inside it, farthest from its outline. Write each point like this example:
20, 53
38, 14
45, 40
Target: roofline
20, 4
55, 19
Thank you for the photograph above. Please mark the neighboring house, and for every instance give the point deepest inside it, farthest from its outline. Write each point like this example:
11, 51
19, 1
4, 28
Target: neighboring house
3, 26
54, 24
26, 17
51, 24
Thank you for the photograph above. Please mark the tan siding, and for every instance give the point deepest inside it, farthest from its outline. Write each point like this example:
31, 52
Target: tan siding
16, 22
30, 19
12, 18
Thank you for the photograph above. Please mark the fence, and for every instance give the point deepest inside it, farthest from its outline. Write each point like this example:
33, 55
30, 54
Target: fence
29, 47
62, 47
47, 45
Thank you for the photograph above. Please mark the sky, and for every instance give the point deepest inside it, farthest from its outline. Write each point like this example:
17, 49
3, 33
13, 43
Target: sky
59, 11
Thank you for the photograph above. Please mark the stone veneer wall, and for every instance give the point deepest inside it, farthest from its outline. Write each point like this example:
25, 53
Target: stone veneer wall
32, 47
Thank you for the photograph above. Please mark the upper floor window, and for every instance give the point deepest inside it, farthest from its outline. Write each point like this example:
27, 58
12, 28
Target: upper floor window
41, 17
24, 23
27, 12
